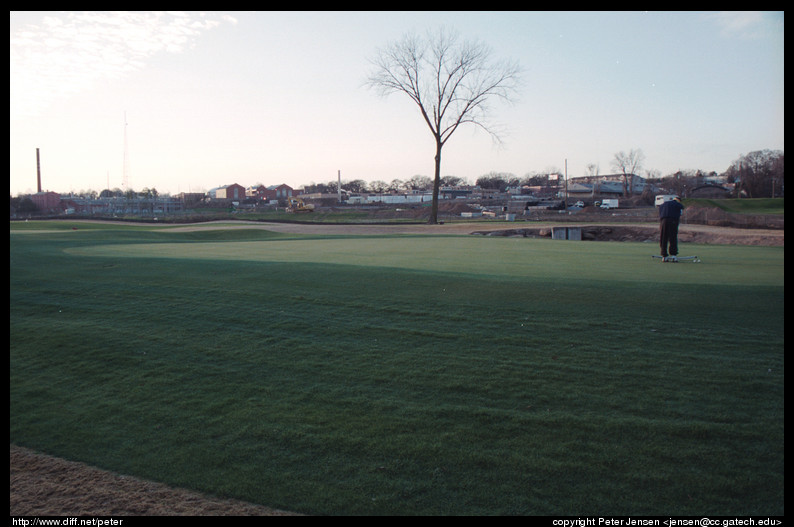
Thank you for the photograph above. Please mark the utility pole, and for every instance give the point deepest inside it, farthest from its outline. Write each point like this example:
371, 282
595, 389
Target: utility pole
38, 171
339, 186
566, 184
126, 175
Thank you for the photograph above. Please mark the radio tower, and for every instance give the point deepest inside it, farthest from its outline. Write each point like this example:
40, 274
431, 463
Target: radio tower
126, 172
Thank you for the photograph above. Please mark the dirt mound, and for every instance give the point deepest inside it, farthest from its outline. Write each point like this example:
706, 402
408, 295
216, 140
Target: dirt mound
42, 485
446, 208
717, 217
455, 207
701, 234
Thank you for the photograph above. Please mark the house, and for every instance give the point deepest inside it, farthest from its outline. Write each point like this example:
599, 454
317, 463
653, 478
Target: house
190, 197
256, 192
278, 192
233, 192
610, 185
454, 192
270, 193
47, 201
580, 190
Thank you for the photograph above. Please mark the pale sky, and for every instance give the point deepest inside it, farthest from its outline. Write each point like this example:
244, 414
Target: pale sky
214, 98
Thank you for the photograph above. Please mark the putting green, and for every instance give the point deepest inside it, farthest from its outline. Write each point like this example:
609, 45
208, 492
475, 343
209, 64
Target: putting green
484, 256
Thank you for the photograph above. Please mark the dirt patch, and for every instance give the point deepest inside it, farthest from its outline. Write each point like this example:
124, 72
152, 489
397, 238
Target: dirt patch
701, 234
647, 232
42, 485
767, 231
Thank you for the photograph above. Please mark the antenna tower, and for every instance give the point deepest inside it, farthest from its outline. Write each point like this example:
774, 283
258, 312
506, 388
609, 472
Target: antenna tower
126, 180
38, 170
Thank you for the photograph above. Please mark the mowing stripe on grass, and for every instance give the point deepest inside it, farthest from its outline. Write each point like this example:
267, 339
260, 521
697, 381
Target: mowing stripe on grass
499, 257
372, 376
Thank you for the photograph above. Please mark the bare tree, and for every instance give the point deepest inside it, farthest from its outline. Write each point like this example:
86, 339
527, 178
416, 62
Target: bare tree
450, 82
758, 174
452, 181
357, 186
397, 185
653, 173
378, 186
592, 170
419, 182
628, 165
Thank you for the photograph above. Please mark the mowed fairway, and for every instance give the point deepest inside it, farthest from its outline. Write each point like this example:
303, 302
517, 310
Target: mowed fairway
430, 375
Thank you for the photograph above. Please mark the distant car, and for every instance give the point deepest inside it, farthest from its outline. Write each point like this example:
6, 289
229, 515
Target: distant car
579, 204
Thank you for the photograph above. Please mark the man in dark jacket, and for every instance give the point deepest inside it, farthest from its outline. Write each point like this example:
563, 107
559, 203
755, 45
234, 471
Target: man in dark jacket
669, 216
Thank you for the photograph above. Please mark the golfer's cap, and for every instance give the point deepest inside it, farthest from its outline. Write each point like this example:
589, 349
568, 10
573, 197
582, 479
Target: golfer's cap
677, 198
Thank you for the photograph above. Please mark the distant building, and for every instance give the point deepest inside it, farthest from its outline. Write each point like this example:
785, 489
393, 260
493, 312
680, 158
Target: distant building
257, 192
47, 201
190, 197
610, 185
233, 192
271, 193
278, 191
454, 192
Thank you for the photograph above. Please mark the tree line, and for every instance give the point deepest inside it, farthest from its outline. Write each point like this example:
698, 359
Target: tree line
359, 186
453, 82
758, 174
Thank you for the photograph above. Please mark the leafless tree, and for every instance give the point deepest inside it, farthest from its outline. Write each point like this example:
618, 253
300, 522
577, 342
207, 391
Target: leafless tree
397, 185
653, 174
591, 172
758, 174
628, 165
419, 182
451, 82
378, 186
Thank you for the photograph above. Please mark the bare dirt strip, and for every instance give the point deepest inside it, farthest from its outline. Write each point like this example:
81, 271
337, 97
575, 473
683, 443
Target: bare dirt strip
42, 485
694, 233
646, 232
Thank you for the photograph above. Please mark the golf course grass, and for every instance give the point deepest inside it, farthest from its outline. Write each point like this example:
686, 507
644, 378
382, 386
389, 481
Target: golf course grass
411, 374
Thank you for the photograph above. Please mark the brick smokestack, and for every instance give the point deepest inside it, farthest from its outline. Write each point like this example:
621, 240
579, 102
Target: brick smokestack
38, 170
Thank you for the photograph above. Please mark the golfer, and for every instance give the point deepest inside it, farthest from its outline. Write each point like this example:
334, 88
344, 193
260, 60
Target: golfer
669, 216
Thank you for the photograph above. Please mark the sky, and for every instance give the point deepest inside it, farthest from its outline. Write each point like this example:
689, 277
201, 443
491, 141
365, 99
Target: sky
188, 101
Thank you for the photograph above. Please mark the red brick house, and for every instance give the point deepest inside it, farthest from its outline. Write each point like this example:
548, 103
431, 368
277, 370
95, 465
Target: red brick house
233, 192
257, 192
47, 201
278, 192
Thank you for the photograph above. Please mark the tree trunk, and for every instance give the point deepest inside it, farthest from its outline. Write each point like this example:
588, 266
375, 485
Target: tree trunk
436, 184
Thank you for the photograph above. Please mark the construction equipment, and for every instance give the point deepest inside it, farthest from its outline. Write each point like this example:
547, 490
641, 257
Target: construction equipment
296, 204
693, 259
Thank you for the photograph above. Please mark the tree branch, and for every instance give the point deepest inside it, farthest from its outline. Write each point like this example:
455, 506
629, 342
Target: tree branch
450, 83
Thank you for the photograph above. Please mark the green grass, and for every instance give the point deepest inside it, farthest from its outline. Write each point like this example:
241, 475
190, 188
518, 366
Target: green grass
743, 205
405, 374
319, 215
